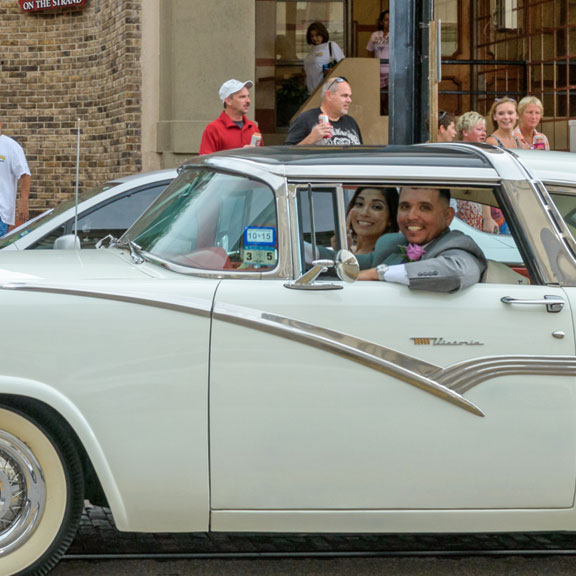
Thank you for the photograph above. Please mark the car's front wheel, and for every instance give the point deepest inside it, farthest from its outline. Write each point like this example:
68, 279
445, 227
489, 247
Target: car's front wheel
41, 492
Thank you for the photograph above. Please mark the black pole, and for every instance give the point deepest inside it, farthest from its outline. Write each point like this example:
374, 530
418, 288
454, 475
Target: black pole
425, 11
401, 120
409, 70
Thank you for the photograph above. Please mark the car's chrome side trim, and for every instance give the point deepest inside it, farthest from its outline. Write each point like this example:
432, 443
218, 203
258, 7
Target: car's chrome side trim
463, 376
196, 306
405, 368
448, 383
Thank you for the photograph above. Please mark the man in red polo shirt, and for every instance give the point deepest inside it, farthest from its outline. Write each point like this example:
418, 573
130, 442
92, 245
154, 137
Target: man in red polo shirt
232, 129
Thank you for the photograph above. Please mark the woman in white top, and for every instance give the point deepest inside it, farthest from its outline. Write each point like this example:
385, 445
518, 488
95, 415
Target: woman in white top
318, 37
379, 46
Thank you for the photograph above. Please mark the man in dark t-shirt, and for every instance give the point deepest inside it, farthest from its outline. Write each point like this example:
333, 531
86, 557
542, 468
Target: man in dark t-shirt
341, 130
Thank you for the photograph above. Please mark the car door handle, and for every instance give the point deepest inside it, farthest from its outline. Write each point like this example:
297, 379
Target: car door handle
552, 303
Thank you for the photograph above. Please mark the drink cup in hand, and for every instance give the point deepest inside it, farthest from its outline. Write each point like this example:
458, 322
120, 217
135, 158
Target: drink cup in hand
538, 142
323, 119
256, 139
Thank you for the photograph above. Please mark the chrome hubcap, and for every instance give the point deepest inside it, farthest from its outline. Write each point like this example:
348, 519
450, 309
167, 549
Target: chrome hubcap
22, 493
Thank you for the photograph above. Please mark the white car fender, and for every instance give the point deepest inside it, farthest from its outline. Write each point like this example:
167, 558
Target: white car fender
54, 399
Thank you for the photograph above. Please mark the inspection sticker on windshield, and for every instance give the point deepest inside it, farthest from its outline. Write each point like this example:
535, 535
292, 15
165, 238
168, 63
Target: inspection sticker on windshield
259, 246
259, 236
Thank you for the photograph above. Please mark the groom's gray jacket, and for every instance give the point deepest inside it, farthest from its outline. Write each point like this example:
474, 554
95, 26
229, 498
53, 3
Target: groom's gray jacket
451, 262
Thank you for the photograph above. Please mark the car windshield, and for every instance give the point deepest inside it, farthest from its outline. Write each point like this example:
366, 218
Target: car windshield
45, 217
211, 221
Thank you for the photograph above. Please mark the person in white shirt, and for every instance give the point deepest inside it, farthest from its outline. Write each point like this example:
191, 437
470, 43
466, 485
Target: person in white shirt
379, 46
323, 52
14, 171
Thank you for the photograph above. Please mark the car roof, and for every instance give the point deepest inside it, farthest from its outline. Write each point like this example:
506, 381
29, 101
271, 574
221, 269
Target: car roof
452, 162
357, 155
550, 165
145, 177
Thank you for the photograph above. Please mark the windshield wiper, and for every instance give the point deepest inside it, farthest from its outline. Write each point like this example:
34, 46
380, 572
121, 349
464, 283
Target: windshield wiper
135, 250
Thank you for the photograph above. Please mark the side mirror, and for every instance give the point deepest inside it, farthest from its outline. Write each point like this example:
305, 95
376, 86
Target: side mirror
344, 263
67, 242
346, 266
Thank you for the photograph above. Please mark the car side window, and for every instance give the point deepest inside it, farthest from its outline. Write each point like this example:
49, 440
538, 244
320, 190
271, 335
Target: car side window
317, 220
565, 201
505, 263
113, 217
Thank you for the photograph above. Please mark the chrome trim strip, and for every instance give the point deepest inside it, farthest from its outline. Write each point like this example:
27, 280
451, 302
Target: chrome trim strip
198, 272
463, 376
377, 357
195, 306
448, 383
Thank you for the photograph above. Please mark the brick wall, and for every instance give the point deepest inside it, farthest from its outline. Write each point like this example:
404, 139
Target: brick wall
65, 64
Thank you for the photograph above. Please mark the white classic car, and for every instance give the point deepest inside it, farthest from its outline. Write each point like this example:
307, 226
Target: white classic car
199, 375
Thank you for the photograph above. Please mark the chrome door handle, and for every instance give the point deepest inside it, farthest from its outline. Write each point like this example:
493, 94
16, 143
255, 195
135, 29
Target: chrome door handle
552, 303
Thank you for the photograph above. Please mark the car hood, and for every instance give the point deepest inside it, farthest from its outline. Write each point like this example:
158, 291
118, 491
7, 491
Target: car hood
68, 265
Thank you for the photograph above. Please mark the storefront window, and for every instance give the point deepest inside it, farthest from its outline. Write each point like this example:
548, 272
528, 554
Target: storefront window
447, 12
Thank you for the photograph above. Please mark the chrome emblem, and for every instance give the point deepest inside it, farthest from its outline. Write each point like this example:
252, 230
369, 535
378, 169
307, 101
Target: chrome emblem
439, 341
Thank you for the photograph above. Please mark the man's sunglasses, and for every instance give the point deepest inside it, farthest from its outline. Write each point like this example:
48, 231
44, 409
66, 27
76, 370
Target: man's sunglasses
337, 80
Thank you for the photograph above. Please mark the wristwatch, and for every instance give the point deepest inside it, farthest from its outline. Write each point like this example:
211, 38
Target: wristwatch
381, 270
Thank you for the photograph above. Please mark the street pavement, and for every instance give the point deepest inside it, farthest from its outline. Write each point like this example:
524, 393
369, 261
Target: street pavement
268, 554
98, 535
467, 566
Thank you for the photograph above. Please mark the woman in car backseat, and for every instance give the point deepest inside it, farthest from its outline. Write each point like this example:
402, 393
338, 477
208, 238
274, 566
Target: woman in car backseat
371, 212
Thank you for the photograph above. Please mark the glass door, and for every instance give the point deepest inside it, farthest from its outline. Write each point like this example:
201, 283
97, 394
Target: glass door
293, 19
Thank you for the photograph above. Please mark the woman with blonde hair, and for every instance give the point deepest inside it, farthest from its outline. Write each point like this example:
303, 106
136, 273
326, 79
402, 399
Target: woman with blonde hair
471, 127
530, 112
504, 116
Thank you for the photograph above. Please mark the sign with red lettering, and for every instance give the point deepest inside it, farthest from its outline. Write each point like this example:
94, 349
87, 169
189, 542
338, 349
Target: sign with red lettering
37, 5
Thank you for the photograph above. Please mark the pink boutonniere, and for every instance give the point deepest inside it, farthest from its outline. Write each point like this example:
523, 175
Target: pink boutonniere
412, 252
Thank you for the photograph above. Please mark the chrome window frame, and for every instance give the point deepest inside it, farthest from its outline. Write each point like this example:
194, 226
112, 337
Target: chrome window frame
282, 270
298, 266
544, 237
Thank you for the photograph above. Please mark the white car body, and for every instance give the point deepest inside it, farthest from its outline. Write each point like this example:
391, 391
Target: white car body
199, 390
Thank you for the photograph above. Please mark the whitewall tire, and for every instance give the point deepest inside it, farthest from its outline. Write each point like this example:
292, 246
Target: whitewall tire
41, 492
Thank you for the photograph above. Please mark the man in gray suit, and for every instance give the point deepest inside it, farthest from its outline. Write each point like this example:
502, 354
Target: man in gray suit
426, 255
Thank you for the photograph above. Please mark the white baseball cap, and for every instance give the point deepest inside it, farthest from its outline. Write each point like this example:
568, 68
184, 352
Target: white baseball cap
231, 87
